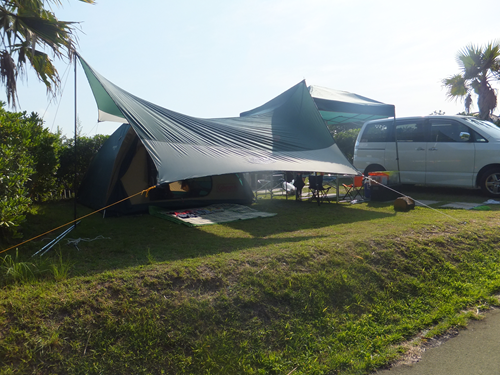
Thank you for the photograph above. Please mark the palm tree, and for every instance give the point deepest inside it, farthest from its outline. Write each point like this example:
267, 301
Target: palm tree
27, 29
480, 66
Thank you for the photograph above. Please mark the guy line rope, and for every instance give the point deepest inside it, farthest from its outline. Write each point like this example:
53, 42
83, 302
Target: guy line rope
146, 191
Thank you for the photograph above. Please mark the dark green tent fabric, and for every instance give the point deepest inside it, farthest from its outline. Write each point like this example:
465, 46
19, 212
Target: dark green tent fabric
108, 110
121, 168
341, 107
96, 186
338, 107
291, 136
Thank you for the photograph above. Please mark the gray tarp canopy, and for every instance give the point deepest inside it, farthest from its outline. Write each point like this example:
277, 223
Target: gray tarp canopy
340, 107
289, 135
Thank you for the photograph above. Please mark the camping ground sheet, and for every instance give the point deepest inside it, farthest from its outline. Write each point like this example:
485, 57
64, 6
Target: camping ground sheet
213, 214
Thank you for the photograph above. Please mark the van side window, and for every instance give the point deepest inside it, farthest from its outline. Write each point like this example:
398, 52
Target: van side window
377, 132
410, 131
478, 137
449, 131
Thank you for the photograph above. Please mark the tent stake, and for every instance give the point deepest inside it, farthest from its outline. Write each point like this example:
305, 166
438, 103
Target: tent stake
52, 243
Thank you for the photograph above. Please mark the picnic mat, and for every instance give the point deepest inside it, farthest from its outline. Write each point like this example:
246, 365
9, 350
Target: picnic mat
213, 214
424, 203
461, 205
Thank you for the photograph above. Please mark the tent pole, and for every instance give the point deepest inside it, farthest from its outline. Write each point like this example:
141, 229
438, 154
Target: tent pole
397, 149
76, 159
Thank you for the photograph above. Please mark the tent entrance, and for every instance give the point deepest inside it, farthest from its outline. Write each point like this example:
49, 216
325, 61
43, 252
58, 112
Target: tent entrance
123, 167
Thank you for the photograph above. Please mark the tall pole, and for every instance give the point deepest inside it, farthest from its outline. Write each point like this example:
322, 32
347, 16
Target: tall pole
397, 148
74, 148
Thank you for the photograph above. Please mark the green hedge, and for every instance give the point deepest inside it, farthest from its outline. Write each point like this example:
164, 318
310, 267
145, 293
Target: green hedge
17, 166
36, 165
346, 140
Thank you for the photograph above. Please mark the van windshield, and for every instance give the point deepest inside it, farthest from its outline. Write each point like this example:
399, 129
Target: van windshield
486, 126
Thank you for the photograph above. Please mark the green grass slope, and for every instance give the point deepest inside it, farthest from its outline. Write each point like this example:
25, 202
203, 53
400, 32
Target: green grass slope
330, 289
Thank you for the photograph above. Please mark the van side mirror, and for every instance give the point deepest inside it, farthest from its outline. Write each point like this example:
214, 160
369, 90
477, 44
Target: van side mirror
464, 136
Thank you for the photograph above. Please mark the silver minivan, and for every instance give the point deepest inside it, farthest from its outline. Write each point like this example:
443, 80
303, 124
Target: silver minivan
453, 151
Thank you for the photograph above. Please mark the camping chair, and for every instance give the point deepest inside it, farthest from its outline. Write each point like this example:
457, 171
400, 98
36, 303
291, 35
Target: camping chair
355, 189
319, 192
271, 185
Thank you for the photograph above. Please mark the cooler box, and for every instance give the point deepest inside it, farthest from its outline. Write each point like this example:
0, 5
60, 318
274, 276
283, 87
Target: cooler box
382, 185
380, 177
381, 193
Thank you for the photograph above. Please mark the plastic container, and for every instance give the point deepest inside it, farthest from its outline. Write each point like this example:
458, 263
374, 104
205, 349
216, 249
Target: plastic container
379, 177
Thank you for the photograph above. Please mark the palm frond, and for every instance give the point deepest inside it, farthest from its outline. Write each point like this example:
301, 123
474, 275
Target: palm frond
479, 65
45, 70
491, 57
8, 75
48, 31
469, 59
456, 87
26, 28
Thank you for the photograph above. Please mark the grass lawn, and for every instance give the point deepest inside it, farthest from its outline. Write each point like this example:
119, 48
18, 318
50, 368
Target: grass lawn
330, 289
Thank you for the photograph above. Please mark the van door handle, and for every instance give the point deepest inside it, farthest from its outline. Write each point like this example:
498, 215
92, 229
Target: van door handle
433, 149
420, 149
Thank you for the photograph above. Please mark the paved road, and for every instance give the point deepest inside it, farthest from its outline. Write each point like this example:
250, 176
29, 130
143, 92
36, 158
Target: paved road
474, 351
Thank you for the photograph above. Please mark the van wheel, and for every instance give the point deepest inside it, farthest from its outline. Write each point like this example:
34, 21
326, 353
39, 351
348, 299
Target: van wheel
373, 168
490, 182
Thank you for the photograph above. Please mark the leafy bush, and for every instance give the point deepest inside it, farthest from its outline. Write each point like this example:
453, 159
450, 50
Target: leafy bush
86, 149
17, 165
346, 140
28, 164
36, 165
44, 148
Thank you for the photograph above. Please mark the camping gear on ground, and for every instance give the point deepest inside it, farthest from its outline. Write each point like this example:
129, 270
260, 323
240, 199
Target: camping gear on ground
379, 177
273, 184
52, 243
288, 187
384, 186
162, 146
319, 192
404, 204
298, 183
354, 190
384, 193
206, 215
367, 189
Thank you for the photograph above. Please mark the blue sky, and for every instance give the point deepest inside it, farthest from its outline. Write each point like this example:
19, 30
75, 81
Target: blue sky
219, 58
